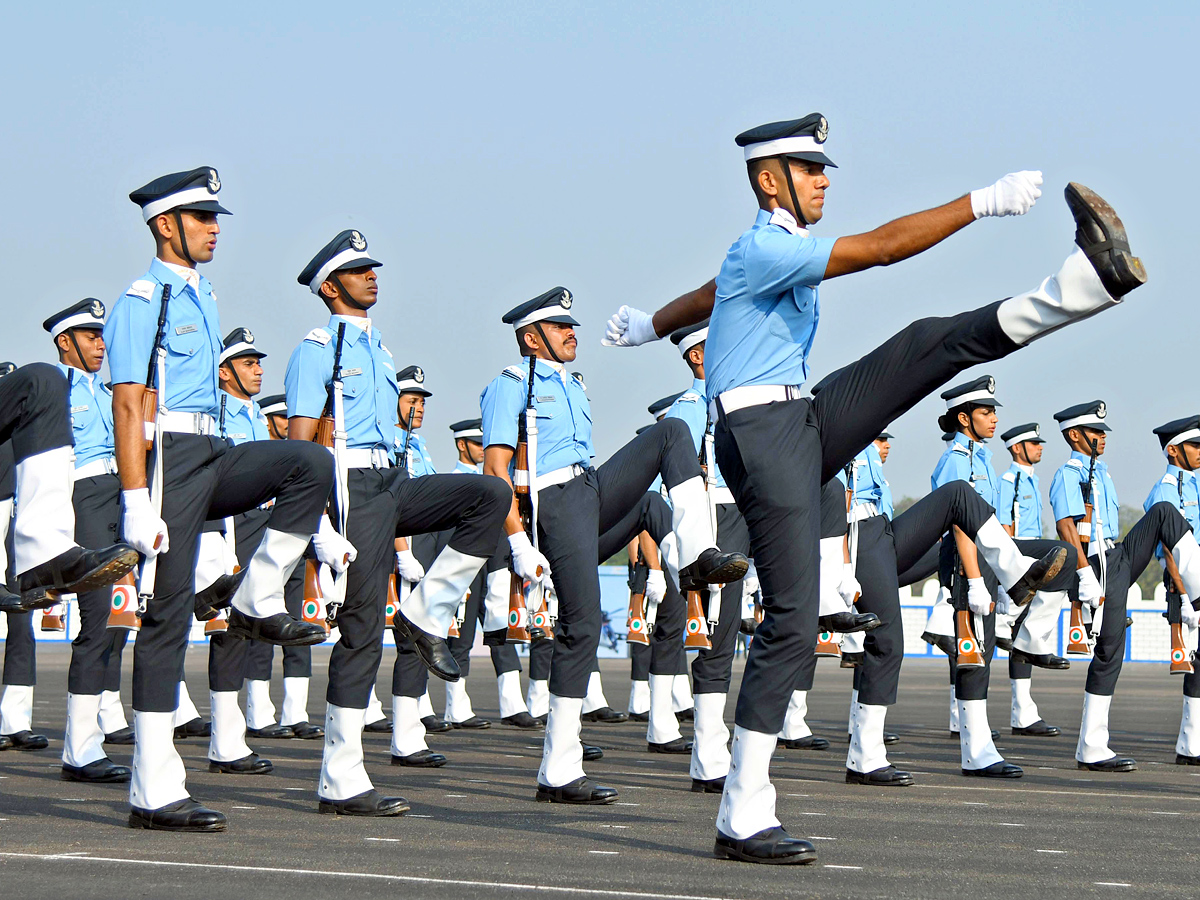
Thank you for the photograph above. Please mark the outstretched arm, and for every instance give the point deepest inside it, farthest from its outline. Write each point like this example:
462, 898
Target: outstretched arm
898, 239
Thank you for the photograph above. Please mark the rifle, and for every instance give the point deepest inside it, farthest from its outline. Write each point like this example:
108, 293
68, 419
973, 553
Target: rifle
123, 610
155, 386
331, 433
1080, 639
697, 629
407, 437
710, 487
522, 595
970, 653
314, 598
637, 602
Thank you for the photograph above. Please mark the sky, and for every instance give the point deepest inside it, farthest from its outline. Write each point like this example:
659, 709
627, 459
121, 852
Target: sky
489, 152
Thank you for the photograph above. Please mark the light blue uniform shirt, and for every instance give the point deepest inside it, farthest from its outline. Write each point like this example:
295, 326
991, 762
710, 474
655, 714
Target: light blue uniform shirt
692, 407
1181, 490
1066, 498
368, 378
957, 464
1029, 502
419, 461
564, 416
462, 468
192, 337
869, 484
244, 421
91, 415
765, 315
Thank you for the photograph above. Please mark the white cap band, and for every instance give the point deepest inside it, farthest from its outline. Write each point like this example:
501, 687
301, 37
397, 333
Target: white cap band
469, 434
179, 198
275, 409
1086, 419
335, 262
1023, 436
984, 394
691, 340
1192, 434
540, 315
800, 143
238, 349
79, 320
411, 386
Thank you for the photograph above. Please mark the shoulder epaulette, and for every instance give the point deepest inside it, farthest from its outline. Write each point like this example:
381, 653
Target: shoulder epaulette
689, 397
319, 336
516, 373
1078, 464
1169, 479
141, 288
958, 448
1008, 476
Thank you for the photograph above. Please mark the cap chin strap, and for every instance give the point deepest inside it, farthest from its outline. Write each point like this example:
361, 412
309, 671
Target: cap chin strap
785, 162
233, 373
183, 245
82, 363
346, 298
546, 341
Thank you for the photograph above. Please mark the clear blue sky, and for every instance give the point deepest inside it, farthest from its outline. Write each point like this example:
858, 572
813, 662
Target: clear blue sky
491, 151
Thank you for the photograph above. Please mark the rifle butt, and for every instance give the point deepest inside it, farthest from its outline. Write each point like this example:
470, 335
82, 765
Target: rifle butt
324, 433
1077, 634
123, 609
696, 637
518, 615
827, 647
150, 415
392, 604
970, 653
54, 619
637, 619
1181, 662
313, 609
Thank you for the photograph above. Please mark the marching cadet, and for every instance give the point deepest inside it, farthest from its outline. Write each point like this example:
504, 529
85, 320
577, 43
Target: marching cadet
346, 361
576, 503
1084, 500
96, 498
777, 448
1020, 512
297, 660
163, 333
1180, 443
468, 443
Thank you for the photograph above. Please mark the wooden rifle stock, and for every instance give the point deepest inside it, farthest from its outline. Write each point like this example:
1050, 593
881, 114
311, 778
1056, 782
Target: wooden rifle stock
519, 630
827, 647
313, 609
53, 619
969, 650
1078, 632
393, 602
216, 625
638, 632
1181, 658
696, 637
123, 611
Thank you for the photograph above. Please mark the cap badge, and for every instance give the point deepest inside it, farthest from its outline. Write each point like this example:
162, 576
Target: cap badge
419, 375
991, 385
1037, 430
1101, 410
7, 369
214, 182
96, 309
822, 131
357, 241
247, 336
566, 300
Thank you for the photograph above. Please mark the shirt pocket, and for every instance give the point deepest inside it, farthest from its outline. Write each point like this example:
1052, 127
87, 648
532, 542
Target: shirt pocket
187, 363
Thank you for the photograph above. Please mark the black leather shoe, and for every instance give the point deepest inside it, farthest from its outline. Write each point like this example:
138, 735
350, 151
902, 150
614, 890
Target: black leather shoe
11, 603
247, 765
76, 571
848, 622
27, 740
889, 737
1000, 769
1041, 660
384, 726
708, 786
713, 566
186, 815
217, 596
1039, 729
541, 720
1004, 643
686, 715
280, 629
102, 771
639, 717
1100, 233
120, 736
306, 732
812, 742
521, 720
196, 727
772, 846
472, 723
1181, 760
581, 791
5, 742
888, 776
591, 754
606, 715
943, 642
272, 732
422, 759
433, 725
368, 803
1037, 576
1112, 764
679, 745
852, 659
433, 651
747, 627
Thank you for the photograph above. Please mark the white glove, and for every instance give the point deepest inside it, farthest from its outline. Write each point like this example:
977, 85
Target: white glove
1012, 195
527, 562
409, 566
629, 328
331, 548
849, 587
1191, 618
141, 526
1089, 587
656, 586
979, 598
1003, 605
750, 584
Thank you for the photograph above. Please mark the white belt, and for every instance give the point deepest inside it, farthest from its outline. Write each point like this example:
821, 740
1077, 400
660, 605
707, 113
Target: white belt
186, 422
366, 458
106, 466
557, 476
722, 495
863, 510
754, 395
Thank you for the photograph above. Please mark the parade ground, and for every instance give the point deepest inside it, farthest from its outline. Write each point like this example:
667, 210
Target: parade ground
1057, 832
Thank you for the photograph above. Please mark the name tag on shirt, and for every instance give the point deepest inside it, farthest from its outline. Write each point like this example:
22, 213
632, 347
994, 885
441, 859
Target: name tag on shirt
75, 409
549, 399
346, 372
187, 329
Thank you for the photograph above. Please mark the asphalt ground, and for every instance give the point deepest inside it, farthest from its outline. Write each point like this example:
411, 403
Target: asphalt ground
475, 830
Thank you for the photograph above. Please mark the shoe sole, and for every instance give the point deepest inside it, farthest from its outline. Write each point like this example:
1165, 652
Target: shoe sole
681, 751
109, 573
1024, 733
457, 727
1032, 587
972, 773
1020, 657
216, 767
1130, 267
119, 779
420, 765
193, 829
550, 798
707, 789
329, 809
606, 721
1092, 768
797, 859
247, 634
868, 783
